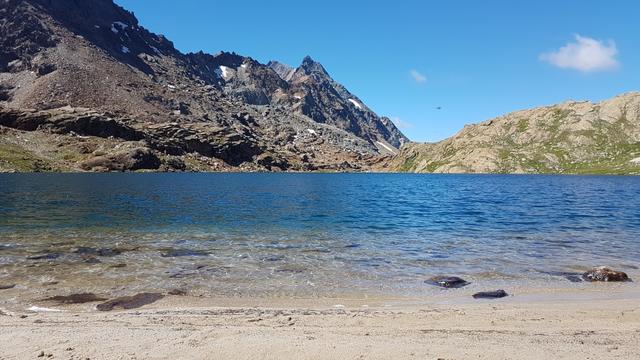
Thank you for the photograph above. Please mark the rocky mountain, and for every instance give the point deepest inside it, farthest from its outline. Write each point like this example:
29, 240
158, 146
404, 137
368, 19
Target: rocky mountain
570, 138
84, 87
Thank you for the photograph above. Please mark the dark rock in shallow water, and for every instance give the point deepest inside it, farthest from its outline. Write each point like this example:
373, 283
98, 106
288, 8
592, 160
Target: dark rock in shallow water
183, 252
50, 256
130, 302
177, 292
571, 276
447, 281
76, 298
605, 274
7, 286
91, 260
104, 252
490, 294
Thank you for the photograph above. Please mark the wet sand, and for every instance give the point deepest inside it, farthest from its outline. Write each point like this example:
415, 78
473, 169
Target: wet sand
180, 327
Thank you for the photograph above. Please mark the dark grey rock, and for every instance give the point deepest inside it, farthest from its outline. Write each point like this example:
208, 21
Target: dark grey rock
130, 302
182, 253
571, 276
76, 298
49, 256
490, 294
447, 281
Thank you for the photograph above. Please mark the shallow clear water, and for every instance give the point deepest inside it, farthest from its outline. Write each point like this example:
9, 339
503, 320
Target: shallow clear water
310, 234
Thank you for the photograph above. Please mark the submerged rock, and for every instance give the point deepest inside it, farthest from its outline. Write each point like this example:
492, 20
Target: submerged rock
490, 294
130, 302
7, 286
447, 281
49, 256
76, 298
104, 252
605, 274
91, 260
571, 276
183, 252
177, 292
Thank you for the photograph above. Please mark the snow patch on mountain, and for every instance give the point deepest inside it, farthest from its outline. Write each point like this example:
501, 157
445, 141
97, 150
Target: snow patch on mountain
117, 26
224, 72
355, 103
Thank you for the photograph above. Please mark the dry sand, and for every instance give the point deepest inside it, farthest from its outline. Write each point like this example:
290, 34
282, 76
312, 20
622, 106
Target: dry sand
192, 328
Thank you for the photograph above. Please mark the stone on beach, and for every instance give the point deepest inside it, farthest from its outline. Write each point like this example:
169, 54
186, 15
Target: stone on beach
130, 302
7, 286
490, 294
447, 281
605, 274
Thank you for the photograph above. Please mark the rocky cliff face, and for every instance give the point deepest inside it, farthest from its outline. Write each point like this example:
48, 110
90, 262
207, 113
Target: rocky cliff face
84, 59
573, 137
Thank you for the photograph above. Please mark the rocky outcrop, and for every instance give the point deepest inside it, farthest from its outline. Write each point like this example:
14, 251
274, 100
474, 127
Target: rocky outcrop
574, 137
128, 160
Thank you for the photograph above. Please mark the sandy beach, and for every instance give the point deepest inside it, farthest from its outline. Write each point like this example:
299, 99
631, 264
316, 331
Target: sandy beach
179, 327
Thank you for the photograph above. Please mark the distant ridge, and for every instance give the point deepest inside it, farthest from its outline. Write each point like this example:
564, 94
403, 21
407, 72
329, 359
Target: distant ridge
569, 138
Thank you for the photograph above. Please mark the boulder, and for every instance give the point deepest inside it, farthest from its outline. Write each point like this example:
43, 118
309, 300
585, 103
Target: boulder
447, 281
45, 69
7, 286
605, 274
490, 294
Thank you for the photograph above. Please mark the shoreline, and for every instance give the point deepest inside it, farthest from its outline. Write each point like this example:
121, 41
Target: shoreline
201, 328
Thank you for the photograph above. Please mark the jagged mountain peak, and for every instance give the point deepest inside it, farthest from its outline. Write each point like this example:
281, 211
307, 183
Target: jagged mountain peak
310, 66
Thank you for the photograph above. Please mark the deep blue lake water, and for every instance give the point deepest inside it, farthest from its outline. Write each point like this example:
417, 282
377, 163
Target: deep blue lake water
311, 234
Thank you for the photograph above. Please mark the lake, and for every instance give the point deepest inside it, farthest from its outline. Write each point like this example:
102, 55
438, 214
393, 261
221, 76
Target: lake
310, 235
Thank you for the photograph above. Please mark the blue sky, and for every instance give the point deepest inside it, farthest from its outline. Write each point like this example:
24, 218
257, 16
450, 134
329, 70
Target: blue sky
404, 59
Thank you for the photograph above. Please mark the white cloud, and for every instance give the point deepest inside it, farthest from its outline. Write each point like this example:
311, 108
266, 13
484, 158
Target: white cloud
586, 55
417, 76
401, 124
